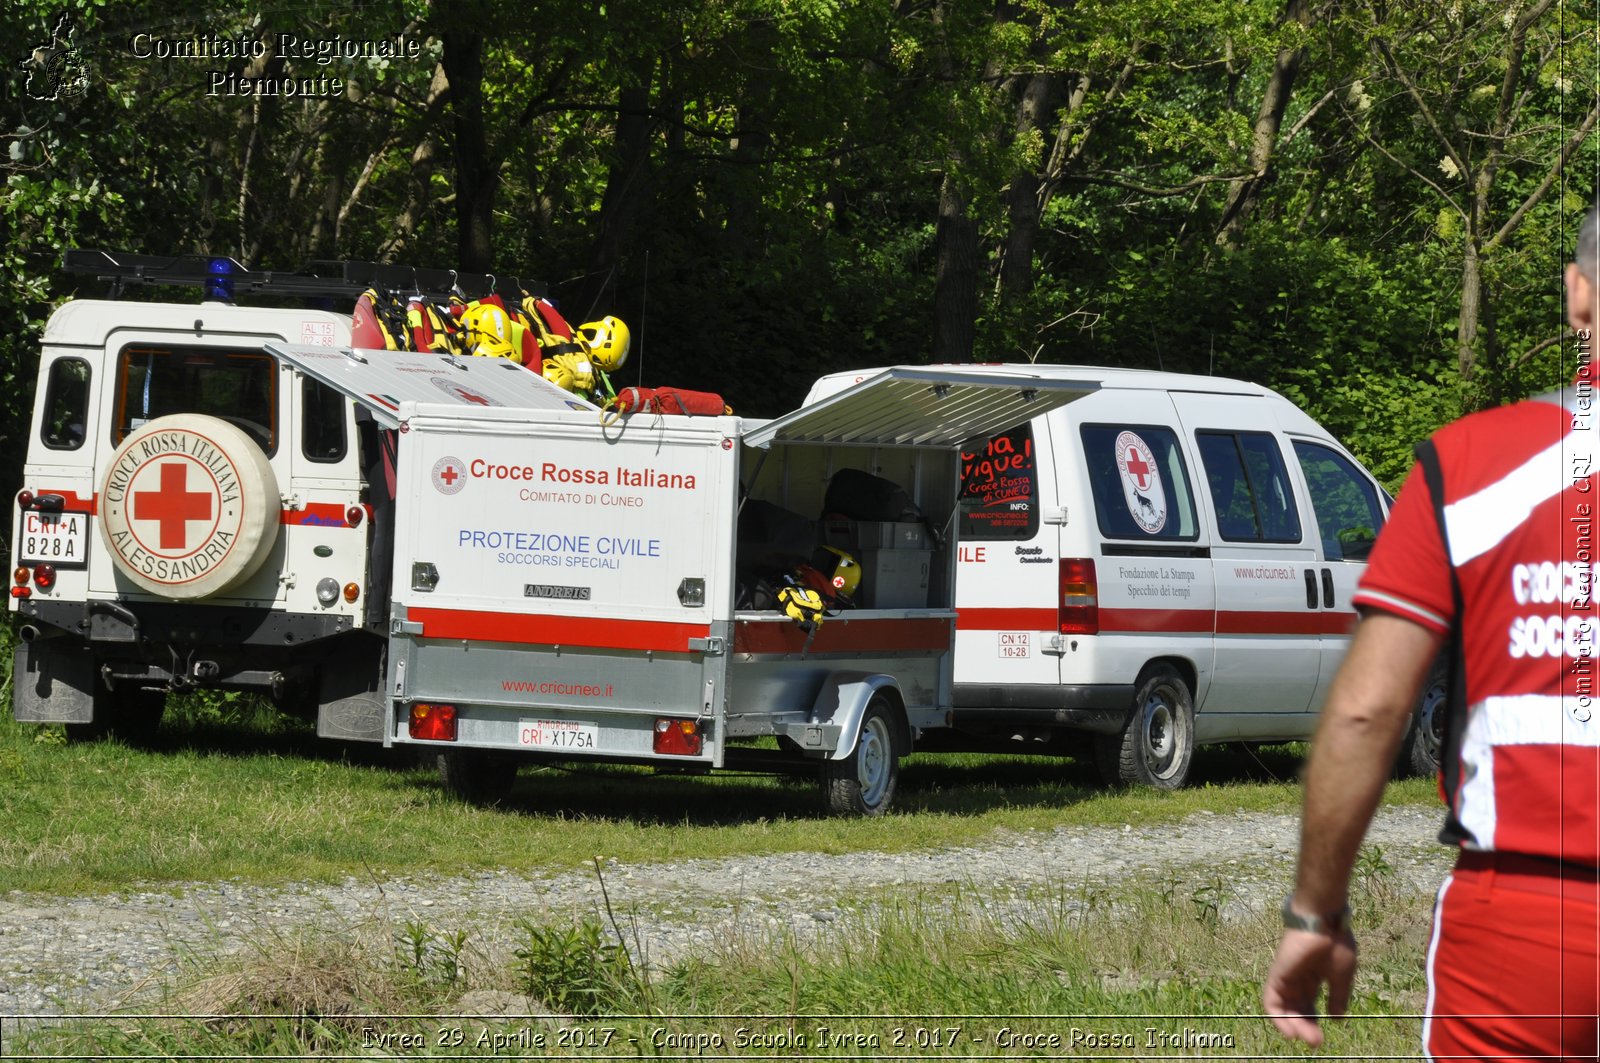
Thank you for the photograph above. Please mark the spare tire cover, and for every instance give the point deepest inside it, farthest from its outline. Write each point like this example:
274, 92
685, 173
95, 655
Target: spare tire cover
189, 507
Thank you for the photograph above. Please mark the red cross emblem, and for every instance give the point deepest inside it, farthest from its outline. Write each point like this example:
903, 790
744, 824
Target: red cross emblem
173, 505
1138, 466
449, 476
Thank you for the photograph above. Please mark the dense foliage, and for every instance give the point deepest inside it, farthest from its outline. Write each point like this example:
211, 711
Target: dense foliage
1361, 203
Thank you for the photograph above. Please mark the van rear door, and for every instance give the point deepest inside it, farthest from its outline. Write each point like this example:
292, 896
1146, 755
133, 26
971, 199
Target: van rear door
1007, 573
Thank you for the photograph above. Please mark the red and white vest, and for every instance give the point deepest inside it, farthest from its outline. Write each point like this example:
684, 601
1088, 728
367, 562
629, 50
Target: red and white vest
1516, 500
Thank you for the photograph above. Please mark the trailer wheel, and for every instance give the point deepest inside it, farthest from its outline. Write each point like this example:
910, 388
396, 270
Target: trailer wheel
863, 783
477, 777
1156, 748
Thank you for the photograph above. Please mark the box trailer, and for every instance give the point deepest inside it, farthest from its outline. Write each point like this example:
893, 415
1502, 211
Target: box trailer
567, 586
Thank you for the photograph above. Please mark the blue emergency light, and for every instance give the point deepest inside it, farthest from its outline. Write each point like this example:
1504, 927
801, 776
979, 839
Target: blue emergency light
219, 280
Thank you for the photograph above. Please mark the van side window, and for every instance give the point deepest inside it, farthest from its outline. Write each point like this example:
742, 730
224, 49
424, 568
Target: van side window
322, 423
1140, 482
999, 488
1345, 501
237, 386
66, 404
1249, 486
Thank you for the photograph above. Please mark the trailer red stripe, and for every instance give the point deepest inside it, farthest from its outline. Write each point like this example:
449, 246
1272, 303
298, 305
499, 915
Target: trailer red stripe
844, 635
540, 630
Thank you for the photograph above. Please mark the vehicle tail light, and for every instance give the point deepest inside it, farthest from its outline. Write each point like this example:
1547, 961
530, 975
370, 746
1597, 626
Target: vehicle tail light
352, 591
434, 723
353, 516
680, 738
44, 576
25, 500
20, 575
22, 592
1079, 593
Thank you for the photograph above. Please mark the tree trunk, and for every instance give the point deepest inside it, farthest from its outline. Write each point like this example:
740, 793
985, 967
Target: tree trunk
1022, 198
476, 174
955, 288
1244, 195
422, 158
1471, 305
627, 188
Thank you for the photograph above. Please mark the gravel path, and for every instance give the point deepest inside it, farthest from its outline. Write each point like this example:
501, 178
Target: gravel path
90, 954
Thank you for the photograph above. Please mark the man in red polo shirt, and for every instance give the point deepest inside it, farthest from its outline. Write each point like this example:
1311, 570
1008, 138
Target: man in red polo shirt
1491, 547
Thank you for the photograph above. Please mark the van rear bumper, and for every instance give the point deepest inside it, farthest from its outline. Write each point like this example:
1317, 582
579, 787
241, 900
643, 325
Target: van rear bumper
1098, 708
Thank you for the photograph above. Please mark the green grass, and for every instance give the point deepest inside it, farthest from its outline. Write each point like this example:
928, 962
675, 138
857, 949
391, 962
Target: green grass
237, 794
932, 973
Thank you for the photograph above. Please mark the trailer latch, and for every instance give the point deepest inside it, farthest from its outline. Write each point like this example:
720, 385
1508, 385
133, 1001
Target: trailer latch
712, 646
405, 627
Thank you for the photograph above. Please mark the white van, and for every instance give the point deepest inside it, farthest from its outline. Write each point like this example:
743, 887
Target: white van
1165, 563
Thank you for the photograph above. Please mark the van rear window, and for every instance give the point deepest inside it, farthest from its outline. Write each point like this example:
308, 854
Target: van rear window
238, 386
999, 490
1140, 482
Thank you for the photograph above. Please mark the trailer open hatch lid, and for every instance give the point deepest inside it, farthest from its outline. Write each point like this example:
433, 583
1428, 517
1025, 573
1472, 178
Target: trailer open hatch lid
382, 380
920, 406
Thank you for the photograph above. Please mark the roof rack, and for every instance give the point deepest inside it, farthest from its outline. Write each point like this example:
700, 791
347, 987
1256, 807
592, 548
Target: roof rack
223, 276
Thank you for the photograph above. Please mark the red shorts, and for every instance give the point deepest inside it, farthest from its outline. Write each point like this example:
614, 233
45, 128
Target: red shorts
1514, 964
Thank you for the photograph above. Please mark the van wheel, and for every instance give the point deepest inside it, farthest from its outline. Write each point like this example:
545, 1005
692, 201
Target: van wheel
1156, 748
477, 777
863, 783
1424, 746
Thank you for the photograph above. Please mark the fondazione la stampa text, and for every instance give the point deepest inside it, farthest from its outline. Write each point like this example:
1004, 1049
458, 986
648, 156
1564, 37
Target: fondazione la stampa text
321, 50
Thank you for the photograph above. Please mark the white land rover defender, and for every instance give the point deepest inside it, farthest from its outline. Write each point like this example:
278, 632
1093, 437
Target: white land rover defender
195, 514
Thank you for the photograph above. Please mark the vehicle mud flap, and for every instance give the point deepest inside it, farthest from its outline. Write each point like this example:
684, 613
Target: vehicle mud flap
53, 682
352, 704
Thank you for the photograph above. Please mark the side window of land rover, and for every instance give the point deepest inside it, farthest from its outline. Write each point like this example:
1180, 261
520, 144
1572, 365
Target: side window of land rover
1140, 482
1249, 487
1345, 501
999, 487
66, 404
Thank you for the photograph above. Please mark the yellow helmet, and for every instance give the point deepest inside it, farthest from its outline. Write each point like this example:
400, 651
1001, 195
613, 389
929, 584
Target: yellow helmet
608, 341
487, 332
840, 572
570, 372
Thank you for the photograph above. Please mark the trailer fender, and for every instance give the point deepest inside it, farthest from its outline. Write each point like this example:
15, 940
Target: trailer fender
843, 700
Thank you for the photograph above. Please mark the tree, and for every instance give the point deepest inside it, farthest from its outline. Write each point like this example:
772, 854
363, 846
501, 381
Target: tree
1489, 86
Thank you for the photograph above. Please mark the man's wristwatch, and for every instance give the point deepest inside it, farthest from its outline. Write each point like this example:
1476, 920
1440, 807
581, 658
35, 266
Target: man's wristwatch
1330, 925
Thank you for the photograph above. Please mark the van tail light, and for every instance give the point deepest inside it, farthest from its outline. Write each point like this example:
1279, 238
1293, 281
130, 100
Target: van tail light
44, 576
678, 737
433, 723
1079, 595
